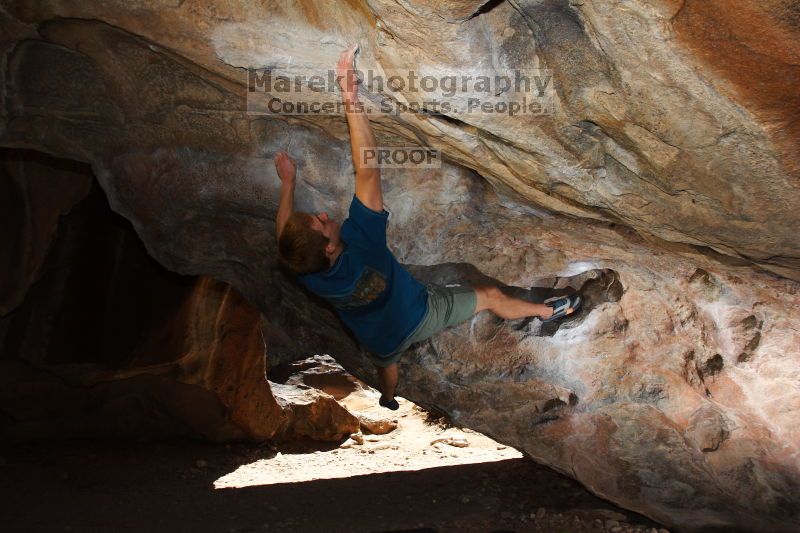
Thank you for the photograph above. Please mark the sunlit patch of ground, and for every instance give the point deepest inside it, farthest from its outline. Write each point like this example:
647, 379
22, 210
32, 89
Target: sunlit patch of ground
416, 444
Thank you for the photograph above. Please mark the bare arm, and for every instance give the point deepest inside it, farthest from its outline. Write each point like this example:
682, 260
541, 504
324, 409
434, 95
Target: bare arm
368, 180
286, 171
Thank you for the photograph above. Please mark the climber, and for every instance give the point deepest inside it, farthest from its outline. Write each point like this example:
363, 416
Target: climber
351, 267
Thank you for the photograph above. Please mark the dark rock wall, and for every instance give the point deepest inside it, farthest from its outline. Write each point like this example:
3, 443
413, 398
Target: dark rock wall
35, 190
98, 293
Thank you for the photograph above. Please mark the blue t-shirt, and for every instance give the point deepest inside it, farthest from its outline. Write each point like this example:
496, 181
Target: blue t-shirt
372, 293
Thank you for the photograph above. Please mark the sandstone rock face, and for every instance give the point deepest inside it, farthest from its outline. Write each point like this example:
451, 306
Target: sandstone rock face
107, 343
663, 184
214, 387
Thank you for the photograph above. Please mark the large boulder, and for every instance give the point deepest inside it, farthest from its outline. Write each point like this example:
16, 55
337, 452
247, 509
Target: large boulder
663, 183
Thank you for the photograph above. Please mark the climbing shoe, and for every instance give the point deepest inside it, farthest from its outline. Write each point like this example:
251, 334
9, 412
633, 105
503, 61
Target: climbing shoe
389, 404
561, 305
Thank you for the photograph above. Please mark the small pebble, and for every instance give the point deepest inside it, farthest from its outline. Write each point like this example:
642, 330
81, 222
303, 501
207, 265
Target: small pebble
200, 463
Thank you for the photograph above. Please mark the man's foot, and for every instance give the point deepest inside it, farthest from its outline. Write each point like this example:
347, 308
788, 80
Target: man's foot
389, 404
563, 306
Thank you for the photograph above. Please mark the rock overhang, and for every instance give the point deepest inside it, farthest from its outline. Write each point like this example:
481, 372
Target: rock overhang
647, 164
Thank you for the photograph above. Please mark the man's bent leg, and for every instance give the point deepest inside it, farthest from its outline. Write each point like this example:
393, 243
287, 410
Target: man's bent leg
388, 377
507, 307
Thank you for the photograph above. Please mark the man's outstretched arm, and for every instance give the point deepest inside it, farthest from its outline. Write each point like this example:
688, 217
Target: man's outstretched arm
286, 171
368, 180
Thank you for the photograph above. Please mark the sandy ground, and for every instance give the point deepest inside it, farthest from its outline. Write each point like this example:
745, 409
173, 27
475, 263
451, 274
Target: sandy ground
424, 476
416, 444
395, 482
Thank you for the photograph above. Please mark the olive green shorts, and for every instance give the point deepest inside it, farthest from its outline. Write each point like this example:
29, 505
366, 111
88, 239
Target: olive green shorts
446, 306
